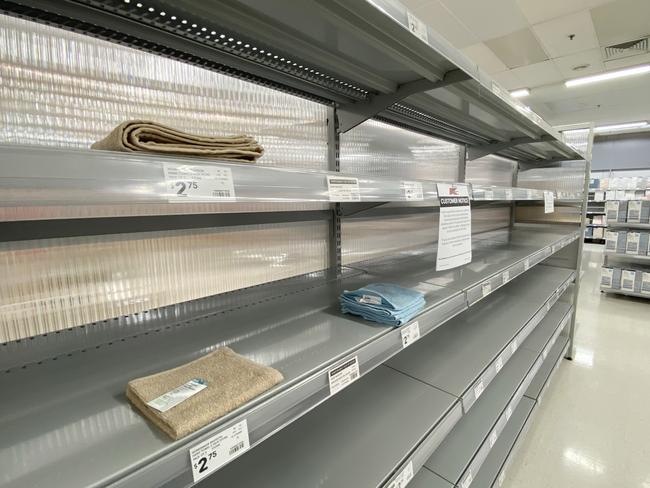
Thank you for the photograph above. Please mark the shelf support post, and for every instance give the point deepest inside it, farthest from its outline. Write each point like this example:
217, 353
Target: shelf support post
352, 114
333, 164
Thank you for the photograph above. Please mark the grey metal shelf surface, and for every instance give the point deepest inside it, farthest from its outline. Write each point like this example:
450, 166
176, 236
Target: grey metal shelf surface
299, 330
485, 331
623, 292
629, 225
490, 473
552, 361
340, 457
354, 440
358, 54
596, 225
459, 458
494, 468
65, 179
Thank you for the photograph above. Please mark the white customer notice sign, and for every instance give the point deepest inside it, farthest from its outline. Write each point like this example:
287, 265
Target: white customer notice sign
455, 226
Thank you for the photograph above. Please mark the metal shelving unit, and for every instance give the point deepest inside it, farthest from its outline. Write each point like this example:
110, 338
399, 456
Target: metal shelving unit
624, 260
355, 403
487, 327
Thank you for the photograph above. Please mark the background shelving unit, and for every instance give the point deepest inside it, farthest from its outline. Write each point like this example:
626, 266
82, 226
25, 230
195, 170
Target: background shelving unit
138, 281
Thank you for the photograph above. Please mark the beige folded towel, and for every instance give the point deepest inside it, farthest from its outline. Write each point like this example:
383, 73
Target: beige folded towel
146, 136
232, 380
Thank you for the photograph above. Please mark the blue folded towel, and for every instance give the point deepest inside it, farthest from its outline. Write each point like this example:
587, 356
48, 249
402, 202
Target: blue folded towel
383, 302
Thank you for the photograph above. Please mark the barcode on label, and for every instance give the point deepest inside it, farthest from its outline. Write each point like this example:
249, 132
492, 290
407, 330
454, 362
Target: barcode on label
236, 448
221, 193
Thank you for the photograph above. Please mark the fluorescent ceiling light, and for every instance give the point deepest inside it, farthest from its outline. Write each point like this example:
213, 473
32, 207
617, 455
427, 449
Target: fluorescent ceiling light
611, 75
522, 92
619, 127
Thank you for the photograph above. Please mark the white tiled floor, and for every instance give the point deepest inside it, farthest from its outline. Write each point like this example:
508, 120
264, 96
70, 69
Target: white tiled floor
593, 426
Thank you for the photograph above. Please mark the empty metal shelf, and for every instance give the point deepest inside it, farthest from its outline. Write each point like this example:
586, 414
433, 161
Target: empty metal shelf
356, 439
492, 471
464, 356
460, 457
556, 353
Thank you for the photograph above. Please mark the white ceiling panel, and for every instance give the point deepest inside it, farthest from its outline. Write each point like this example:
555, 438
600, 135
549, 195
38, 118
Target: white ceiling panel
554, 35
485, 58
538, 74
537, 11
508, 80
591, 58
517, 49
433, 13
621, 21
488, 19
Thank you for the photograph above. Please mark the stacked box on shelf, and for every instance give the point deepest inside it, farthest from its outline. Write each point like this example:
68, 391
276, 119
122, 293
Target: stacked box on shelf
615, 241
616, 210
636, 243
638, 211
631, 280
610, 278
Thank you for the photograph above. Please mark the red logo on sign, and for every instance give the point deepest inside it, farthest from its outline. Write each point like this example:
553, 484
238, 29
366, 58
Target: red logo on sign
453, 190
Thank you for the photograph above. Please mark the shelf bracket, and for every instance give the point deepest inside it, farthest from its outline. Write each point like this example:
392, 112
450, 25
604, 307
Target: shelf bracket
476, 152
352, 114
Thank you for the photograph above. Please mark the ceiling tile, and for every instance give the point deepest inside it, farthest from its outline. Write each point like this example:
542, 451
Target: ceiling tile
537, 11
538, 74
517, 49
591, 58
485, 58
488, 19
508, 80
629, 61
621, 21
554, 34
433, 13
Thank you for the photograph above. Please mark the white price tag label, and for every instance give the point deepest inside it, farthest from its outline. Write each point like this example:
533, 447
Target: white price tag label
410, 334
489, 195
498, 364
553, 249
508, 413
545, 353
493, 439
412, 190
343, 189
343, 374
506, 276
529, 194
405, 476
478, 389
169, 400
417, 27
548, 305
219, 449
509, 194
486, 288
549, 202
467, 481
187, 182
513, 346
526, 264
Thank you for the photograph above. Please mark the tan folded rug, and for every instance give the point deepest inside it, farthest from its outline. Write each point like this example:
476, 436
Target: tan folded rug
232, 380
146, 136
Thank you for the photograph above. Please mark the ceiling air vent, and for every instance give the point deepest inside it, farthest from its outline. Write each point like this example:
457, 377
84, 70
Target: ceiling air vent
626, 49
